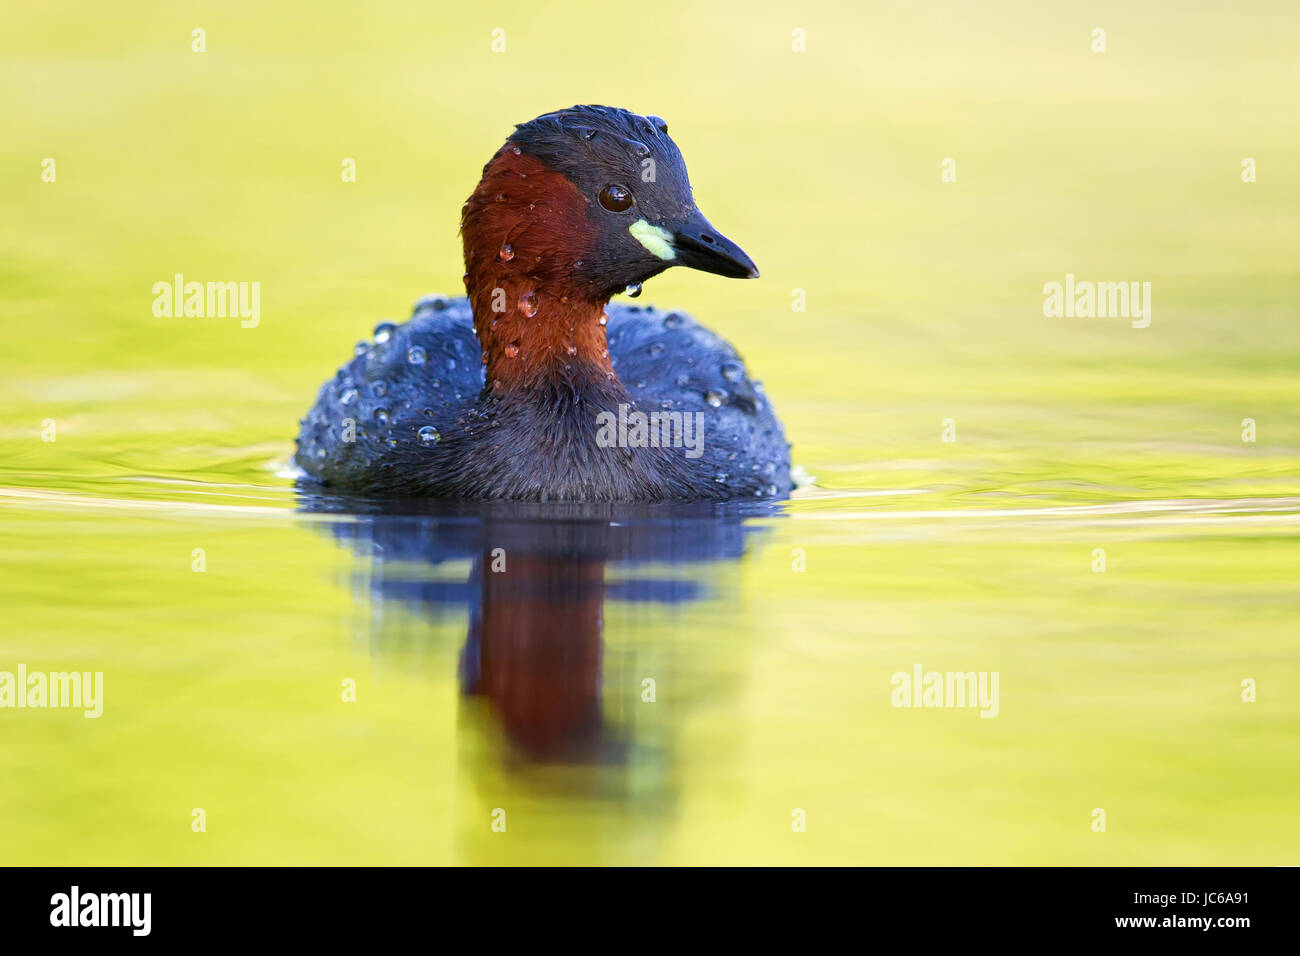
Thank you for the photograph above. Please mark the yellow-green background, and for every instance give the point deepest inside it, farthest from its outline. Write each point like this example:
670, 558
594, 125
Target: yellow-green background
1119, 690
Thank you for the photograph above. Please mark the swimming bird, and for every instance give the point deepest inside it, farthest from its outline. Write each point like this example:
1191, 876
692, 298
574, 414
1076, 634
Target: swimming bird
533, 386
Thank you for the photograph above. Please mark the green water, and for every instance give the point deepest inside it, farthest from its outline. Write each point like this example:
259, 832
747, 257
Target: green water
771, 637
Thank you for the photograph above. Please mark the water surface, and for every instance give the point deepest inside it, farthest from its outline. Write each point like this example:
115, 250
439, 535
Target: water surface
770, 633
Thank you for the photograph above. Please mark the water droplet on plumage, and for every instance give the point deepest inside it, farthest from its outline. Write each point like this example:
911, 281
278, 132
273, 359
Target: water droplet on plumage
528, 304
673, 320
512, 350
715, 397
604, 318
733, 371
348, 396
384, 331
507, 253
379, 389
429, 435
381, 416
656, 349
432, 303
633, 289
362, 348
416, 355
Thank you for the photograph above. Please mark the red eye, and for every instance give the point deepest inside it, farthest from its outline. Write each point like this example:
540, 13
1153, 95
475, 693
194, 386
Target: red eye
616, 198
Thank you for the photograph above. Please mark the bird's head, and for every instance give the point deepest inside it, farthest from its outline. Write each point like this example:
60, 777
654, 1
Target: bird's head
595, 198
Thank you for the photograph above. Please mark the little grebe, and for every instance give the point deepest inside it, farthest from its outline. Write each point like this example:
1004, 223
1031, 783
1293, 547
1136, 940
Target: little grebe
562, 397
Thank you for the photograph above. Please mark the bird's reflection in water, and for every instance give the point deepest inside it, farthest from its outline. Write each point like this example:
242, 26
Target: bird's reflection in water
542, 578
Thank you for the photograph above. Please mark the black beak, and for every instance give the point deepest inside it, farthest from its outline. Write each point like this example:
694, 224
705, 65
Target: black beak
699, 246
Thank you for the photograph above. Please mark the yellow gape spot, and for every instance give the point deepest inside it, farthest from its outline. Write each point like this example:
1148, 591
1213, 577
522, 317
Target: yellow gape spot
657, 240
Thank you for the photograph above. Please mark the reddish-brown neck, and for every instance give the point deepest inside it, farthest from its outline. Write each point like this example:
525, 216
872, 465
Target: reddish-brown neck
525, 230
